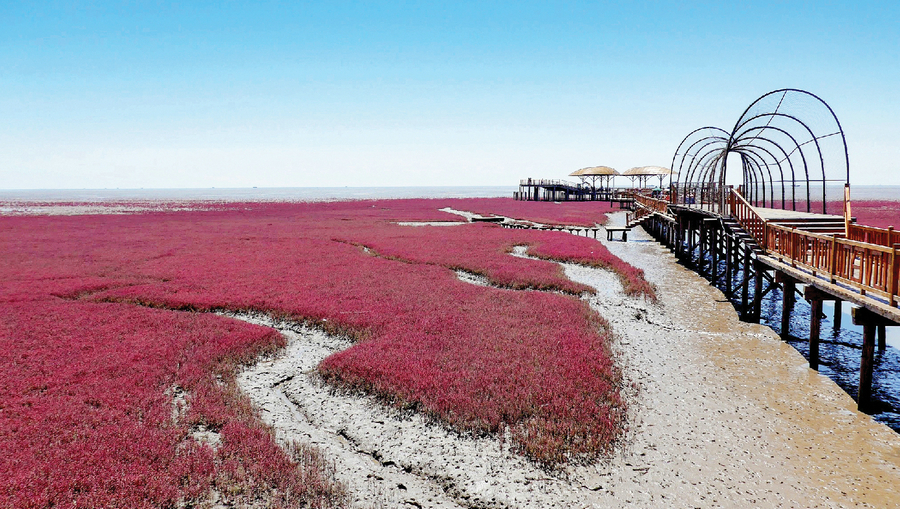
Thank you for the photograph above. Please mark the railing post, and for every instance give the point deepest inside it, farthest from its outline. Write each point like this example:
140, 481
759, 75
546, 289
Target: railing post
894, 275
846, 210
833, 265
794, 246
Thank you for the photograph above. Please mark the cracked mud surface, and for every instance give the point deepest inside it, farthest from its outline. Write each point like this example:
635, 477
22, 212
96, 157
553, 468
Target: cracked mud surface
722, 414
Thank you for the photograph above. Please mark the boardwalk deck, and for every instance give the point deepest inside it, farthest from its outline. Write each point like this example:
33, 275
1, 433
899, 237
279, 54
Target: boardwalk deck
779, 215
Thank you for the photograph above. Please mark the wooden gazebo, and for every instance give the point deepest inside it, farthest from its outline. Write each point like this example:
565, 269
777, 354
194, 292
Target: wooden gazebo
604, 174
642, 174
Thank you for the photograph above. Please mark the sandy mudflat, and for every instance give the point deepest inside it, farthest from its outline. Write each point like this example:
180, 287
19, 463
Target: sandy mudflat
723, 414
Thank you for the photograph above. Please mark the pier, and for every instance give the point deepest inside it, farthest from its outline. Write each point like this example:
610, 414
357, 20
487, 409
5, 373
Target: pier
561, 190
748, 253
773, 230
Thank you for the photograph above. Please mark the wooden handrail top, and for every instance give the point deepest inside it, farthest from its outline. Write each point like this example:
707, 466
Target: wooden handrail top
826, 237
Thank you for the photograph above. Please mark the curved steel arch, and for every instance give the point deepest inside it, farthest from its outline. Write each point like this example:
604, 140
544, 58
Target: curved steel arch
705, 137
798, 146
787, 157
787, 139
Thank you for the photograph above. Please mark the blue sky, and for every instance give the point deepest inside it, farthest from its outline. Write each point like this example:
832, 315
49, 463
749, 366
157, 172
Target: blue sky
275, 94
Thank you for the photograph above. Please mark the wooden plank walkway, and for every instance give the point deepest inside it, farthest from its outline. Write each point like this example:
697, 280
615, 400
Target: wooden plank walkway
837, 262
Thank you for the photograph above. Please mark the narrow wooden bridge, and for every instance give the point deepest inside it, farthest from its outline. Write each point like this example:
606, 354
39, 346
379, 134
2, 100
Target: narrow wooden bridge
748, 251
562, 190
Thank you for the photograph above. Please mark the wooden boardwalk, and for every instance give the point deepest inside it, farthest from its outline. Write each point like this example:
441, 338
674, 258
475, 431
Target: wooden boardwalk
561, 190
751, 249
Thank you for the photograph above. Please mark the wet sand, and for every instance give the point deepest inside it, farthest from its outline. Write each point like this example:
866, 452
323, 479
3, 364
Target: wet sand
785, 435
723, 414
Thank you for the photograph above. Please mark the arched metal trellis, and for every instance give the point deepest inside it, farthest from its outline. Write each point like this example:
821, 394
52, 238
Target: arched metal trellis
791, 149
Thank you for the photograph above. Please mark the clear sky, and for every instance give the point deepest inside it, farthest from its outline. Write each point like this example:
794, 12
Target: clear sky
281, 94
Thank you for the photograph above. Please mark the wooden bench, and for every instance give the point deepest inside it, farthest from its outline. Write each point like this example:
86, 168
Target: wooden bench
610, 230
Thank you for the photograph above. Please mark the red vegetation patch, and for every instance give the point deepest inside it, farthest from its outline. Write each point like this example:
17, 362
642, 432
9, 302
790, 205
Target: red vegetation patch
87, 412
484, 359
477, 248
484, 250
878, 213
584, 251
85, 416
574, 213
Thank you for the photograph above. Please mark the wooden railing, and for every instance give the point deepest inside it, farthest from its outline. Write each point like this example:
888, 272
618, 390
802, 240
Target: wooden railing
741, 210
552, 183
870, 267
871, 235
638, 213
654, 204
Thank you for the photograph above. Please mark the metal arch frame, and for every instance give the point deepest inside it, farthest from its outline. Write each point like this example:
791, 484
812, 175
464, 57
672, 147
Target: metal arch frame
772, 159
798, 146
700, 162
687, 151
777, 161
703, 165
840, 129
751, 154
696, 158
761, 154
788, 158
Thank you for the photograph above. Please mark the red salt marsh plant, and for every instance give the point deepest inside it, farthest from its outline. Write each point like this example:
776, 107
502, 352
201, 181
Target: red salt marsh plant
87, 412
878, 213
477, 248
87, 366
570, 213
585, 251
484, 249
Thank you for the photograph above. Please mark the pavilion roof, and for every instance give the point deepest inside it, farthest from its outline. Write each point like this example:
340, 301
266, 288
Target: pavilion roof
647, 170
594, 171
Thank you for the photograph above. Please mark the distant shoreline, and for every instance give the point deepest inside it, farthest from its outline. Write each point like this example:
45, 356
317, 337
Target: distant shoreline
257, 194
859, 192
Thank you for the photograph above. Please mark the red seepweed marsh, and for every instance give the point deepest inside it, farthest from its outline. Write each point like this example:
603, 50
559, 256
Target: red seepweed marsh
106, 321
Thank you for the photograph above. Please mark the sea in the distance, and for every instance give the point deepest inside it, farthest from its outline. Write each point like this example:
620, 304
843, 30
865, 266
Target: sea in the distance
327, 193
256, 194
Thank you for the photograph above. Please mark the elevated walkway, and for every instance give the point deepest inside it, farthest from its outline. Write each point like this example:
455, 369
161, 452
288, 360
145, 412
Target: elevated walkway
764, 248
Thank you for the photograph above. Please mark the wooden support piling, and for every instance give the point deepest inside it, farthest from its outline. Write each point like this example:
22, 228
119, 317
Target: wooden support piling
866, 366
692, 239
882, 337
758, 269
789, 285
745, 287
871, 323
838, 313
704, 246
729, 265
714, 250
815, 323
815, 298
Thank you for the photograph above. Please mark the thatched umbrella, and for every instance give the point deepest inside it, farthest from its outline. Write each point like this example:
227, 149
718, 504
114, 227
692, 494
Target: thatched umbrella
604, 173
643, 173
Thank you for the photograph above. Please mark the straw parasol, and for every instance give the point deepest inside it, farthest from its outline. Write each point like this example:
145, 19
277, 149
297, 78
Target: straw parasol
604, 173
643, 173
